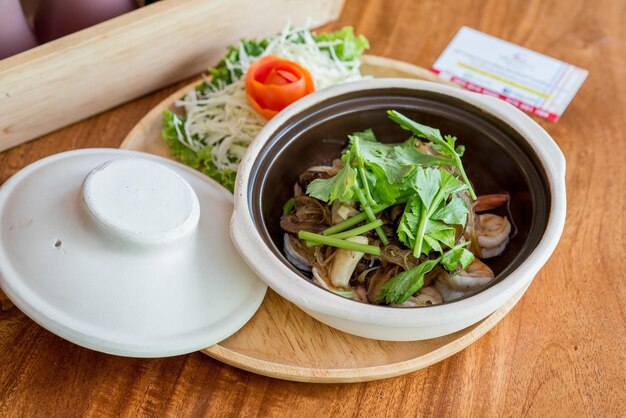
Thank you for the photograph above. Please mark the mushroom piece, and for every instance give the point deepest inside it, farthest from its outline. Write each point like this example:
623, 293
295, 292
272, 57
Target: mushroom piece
297, 190
291, 223
341, 211
294, 257
348, 293
378, 279
360, 294
345, 262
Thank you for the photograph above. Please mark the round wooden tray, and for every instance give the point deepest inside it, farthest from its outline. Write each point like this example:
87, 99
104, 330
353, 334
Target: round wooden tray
282, 341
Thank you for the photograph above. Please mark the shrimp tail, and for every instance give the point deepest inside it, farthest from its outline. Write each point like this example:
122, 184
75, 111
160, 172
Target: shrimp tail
488, 202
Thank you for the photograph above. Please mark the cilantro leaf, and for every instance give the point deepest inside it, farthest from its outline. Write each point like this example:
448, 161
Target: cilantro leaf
366, 135
407, 228
454, 213
419, 130
341, 186
379, 156
400, 287
427, 185
426, 218
403, 285
450, 184
437, 232
446, 146
457, 258
408, 154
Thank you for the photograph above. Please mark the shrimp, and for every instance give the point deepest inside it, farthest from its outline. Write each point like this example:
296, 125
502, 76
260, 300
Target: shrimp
492, 233
426, 296
446, 293
490, 201
458, 284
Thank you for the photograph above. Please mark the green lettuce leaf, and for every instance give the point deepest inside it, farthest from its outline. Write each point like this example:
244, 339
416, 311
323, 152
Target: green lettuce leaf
221, 74
201, 160
350, 48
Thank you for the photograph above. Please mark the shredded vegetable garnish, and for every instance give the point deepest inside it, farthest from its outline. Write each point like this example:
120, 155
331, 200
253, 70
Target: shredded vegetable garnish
217, 123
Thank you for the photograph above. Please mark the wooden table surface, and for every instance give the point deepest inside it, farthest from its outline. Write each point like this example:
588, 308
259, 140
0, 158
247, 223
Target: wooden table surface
560, 352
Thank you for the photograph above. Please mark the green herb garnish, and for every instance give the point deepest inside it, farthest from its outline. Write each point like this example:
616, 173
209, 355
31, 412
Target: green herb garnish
289, 205
359, 230
362, 178
339, 243
379, 176
446, 146
352, 232
427, 216
399, 288
350, 222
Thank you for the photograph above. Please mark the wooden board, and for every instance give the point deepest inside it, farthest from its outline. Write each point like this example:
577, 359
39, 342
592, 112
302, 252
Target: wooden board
79, 75
282, 341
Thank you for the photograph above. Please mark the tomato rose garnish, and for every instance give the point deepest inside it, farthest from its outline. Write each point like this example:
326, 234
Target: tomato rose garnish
273, 83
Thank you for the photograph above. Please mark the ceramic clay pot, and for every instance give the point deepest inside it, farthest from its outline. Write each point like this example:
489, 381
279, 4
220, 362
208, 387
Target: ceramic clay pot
505, 150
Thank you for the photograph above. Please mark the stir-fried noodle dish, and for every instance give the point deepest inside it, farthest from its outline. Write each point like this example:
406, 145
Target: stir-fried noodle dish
394, 224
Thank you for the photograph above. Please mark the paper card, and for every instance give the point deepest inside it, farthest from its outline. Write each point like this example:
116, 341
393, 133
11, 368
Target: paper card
531, 81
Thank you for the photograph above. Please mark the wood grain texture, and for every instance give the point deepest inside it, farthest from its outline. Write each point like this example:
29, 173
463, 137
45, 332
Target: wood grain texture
131, 55
284, 342
560, 352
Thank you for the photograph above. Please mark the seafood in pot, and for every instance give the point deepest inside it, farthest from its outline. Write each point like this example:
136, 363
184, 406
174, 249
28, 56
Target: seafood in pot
395, 224
458, 284
492, 234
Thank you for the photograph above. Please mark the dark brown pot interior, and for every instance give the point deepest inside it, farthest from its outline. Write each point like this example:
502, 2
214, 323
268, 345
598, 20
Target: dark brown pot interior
497, 159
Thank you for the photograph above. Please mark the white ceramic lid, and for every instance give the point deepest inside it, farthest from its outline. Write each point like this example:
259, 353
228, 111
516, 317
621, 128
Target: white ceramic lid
124, 252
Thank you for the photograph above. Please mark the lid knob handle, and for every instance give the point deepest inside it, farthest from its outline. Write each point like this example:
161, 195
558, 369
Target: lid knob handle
141, 201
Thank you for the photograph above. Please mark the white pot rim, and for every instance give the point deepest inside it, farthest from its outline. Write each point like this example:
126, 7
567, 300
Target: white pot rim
310, 297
